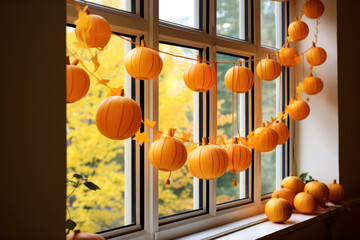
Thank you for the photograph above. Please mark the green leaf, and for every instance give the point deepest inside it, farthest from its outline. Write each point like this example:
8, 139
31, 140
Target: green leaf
70, 224
303, 176
91, 186
78, 176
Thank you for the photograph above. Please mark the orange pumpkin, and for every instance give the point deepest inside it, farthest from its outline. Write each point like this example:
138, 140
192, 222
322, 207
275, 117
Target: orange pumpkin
305, 202
77, 82
282, 131
268, 69
293, 183
318, 190
168, 153
298, 30
265, 139
199, 76
94, 31
336, 192
118, 117
77, 235
312, 85
313, 9
143, 63
239, 156
208, 161
239, 79
278, 210
285, 193
288, 57
316, 56
298, 110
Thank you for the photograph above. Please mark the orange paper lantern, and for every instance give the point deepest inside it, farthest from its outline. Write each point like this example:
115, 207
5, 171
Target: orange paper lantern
298, 110
168, 153
336, 192
298, 30
282, 131
293, 183
265, 139
305, 202
239, 79
268, 69
118, 117
312, 85
313, 9
143, 63
77, 82
318, 190
316, 56
239, 156
288, 56
284, 193
208, 161
278, 210
199, 76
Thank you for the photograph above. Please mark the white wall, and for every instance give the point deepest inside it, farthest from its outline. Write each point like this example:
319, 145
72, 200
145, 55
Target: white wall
316, 137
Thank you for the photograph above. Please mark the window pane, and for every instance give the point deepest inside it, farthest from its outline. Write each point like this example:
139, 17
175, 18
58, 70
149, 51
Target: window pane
89, 153
231, 18
184, 12
125, 5
225, 192
176, 109
272, 26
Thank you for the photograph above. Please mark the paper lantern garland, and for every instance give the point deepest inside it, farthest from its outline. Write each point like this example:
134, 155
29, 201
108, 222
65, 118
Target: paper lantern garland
316, 56
199, 77
298, 110
265, 139
298, 30
288, 57
312, 85
239, 79
282, 131
313, 9
77, 82
268, 69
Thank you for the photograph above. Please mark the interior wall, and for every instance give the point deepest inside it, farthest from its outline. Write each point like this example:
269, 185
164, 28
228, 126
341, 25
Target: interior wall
33, 120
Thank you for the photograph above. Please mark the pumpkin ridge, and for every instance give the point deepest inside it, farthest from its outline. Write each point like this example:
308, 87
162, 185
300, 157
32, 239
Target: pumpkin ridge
107, 116
122, 114
213, 164
176, 150
204, 75
72, 85
87, 85
151, 70
153, 153
199, 155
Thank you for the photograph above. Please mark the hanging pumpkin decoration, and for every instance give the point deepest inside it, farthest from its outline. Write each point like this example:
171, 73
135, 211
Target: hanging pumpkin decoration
168, 153
239, 79
77, 82
298, 30
298, 110
312, 85
118, 117
199, 77
143, 63
285, 193
313, 9
268, 69
288, 57
278, 210
305, 202
316, 56
93, 30
208, 161
77, 235
239, 158
318, 190
336, 192
293, 183
282, 131
265, 139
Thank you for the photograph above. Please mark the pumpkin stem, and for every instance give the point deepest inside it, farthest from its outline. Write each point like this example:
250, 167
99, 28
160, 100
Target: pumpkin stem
67, 60
143, 44
236, 140
199, 58
240, 62
334, 181
296, 19
288, 45
167, 182
262, 124
291, 174
282, 186
204, 141
277, 195
75, 62
310, 75
314, 45
76, 231
267, 56
122, 93
87, 11
171, 132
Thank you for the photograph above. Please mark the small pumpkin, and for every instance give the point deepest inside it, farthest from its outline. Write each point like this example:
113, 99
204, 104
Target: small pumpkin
318, 190
312, 85
77, 235
285, 193
143, 63
298, 110
293, 183
265, 139
313, 9
288, 57
199, 77
77, 82
278, 210
282, 131
268, 69
336, 192
207, 161
316, 56
118, 117
304, 202
168, 153
298, 30
239, 79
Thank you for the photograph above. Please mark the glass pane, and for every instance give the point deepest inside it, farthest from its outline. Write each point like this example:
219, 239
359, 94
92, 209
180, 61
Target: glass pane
272, 26
184, 12
125, 5
89, 153
231, 18
176, 109
225, 192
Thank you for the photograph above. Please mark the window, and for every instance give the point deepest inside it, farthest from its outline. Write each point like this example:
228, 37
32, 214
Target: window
125, 5
272, 26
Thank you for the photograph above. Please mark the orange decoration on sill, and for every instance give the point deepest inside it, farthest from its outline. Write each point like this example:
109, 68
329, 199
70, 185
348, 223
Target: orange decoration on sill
286, 194
168, 153
278, 210
265, 139
77, 235
305, 202
336, 192
77, 82
298, 30
293, 183
282, 131
207, 161
298, 110
199, 77
316, 56
118, 117
239, 79
268, 69
318, 190
312, 85
288, 57
313, 9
